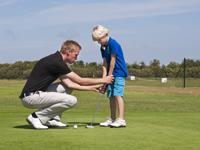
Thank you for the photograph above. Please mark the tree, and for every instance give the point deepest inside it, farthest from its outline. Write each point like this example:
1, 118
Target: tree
155, 67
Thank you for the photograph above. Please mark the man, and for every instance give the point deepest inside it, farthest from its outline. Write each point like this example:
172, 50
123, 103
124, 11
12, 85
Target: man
52, 99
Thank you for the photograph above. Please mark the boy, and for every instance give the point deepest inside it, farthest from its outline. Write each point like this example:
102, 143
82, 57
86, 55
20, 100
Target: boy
113, 64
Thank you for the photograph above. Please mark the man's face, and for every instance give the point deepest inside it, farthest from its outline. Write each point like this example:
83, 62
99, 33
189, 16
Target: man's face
73, 54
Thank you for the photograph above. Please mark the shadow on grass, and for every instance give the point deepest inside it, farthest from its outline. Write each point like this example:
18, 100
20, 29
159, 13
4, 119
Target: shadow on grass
69, 125
24, 127
82, 124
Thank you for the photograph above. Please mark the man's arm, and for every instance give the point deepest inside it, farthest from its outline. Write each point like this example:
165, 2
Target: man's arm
87, 81
72, 85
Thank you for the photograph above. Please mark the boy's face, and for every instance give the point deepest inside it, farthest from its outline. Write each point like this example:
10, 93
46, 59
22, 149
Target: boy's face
103, 40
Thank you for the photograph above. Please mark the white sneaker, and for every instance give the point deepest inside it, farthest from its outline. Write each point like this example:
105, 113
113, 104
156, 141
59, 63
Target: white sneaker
119, 123
55, 123
35, 122
106, 123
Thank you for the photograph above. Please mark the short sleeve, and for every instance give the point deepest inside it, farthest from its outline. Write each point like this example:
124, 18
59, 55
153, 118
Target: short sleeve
114, 46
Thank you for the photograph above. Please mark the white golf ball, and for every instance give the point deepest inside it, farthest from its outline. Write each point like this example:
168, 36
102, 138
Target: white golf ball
75, 126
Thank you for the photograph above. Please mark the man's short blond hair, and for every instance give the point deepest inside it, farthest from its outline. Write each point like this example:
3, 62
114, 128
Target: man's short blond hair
98, 32
69, 45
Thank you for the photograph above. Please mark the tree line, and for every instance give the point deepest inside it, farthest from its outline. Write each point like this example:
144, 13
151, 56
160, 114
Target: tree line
22, 69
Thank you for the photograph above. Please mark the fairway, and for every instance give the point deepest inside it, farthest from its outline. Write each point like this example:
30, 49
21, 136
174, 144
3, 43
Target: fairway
158, 118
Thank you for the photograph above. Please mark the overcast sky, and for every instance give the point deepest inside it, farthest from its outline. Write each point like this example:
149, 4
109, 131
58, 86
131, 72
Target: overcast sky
168, 30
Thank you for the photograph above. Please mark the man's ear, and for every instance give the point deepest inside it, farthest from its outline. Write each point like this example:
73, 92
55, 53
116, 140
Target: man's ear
67, 52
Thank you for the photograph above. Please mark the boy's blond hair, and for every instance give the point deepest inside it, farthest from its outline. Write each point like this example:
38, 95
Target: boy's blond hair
98, 32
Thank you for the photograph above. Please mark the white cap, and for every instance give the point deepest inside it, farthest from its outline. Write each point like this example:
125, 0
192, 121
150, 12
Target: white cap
98, 32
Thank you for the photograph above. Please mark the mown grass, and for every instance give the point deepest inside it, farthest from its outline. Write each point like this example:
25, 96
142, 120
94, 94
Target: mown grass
171, 82
162, 120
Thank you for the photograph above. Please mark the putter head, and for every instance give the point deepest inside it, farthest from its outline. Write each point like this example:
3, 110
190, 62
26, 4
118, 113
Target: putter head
90, 126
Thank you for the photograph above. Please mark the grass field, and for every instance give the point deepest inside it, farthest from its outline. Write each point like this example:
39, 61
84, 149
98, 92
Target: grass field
172, 82
158, 118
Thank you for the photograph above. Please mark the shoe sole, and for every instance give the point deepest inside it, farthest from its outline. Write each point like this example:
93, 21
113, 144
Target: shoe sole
53, 126
34, 127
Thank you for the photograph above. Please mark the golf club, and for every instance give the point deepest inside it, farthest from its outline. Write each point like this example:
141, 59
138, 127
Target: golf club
98, 106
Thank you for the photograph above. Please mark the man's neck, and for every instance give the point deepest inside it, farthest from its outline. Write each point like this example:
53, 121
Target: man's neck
63, 57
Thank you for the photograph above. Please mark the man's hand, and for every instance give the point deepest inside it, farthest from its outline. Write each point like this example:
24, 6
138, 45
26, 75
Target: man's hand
95, 88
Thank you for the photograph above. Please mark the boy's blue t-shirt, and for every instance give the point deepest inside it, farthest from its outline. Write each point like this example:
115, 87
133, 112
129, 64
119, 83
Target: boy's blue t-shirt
113, 47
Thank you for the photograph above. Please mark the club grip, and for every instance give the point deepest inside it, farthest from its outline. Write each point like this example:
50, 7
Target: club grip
103, 88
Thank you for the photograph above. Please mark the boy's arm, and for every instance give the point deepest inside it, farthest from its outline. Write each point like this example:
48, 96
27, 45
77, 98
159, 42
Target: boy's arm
104, 74
104, 68
112, 64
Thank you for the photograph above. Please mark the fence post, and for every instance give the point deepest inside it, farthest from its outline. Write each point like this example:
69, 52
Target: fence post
184, 69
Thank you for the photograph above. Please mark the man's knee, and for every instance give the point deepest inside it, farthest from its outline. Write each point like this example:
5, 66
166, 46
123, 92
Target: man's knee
71, 101
63, 89
59, 87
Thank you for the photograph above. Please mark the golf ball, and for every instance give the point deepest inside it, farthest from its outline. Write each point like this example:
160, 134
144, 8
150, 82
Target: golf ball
75, 126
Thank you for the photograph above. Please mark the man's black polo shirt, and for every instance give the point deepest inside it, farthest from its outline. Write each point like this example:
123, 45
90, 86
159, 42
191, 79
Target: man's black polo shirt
46, 71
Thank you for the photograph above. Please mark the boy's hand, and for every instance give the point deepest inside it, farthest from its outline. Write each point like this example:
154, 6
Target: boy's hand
108, 79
